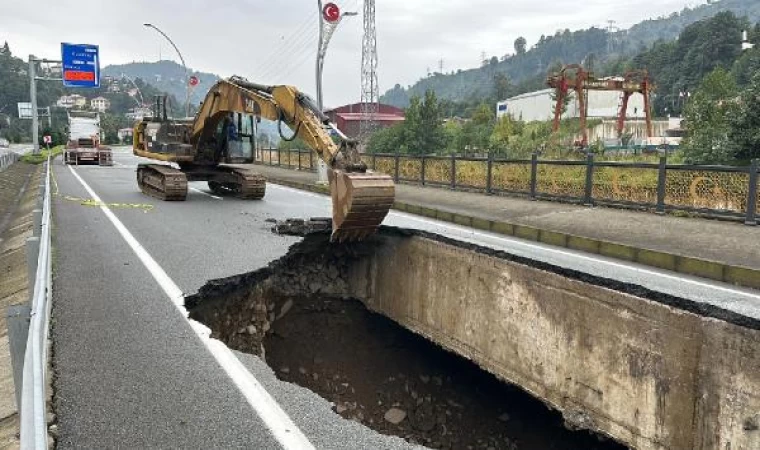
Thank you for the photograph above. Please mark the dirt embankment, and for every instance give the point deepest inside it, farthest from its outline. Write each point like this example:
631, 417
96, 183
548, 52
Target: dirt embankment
18, 196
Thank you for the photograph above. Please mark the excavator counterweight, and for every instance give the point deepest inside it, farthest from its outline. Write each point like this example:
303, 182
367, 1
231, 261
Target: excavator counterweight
218, 146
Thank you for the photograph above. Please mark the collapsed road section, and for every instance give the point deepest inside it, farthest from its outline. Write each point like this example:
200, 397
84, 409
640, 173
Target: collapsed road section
415, 335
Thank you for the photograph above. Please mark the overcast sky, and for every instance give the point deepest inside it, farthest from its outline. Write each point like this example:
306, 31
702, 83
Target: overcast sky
275, 42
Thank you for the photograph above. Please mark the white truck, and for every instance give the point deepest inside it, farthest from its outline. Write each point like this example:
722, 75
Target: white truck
83, 144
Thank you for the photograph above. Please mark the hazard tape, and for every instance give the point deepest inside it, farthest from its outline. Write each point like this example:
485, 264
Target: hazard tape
146, 207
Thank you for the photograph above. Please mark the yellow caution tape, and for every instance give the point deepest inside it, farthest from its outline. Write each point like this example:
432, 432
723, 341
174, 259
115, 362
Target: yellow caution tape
91, 202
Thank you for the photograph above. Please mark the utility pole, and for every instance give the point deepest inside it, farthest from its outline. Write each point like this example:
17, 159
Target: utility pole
370, 91
611, 39
440, 66
33, 99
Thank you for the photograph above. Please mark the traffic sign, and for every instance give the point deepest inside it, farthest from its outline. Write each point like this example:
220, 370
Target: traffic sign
331, 12
25, 110
47, 139
81, 65
193, 81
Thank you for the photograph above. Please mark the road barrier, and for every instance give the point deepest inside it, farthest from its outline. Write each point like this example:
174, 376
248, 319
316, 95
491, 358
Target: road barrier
715, 191
28, 329
8, 159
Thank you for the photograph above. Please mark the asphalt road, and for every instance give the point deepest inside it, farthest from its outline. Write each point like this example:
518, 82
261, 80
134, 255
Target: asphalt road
130, 369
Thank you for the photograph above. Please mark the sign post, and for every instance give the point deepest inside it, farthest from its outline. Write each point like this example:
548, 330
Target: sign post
81, 65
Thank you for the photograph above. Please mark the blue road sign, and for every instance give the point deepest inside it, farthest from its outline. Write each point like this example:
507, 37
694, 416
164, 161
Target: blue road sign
81, 65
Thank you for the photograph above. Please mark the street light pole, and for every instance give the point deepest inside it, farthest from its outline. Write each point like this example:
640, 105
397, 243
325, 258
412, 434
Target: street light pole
326, 30
187, 75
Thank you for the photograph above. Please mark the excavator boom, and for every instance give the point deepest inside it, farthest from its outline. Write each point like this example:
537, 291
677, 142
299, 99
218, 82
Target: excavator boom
361, 199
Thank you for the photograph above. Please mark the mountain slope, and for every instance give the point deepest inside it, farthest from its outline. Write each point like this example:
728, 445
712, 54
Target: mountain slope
167, 76
592, 47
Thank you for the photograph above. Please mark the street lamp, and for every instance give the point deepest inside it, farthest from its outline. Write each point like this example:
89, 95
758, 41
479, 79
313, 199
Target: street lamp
187, 75
329, 18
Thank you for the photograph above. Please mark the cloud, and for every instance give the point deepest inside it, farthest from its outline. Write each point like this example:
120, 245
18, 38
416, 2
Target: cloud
275, 42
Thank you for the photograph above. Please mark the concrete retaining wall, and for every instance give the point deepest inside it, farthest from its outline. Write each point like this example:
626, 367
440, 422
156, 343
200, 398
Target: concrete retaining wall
649, 375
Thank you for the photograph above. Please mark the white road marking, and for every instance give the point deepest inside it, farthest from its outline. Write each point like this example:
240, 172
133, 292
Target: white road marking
205, 193
279, 423
526, 244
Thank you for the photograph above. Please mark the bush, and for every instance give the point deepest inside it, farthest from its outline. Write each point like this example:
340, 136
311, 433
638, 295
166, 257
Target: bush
43, 156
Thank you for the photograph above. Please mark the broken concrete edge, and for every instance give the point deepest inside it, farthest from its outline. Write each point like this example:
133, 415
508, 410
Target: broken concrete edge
218, 288
703, 268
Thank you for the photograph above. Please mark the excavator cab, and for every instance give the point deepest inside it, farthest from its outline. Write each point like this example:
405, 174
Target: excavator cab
235, 138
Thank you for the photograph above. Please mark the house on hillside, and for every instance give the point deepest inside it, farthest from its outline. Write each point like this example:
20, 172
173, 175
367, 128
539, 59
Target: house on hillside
138, 113
100, 104
73, 101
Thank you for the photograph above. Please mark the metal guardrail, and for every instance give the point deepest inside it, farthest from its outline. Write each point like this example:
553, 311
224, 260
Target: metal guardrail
8, 159
717, 191
28, 329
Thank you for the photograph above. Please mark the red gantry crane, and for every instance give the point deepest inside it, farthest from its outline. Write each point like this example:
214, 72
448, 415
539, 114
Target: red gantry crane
574, 77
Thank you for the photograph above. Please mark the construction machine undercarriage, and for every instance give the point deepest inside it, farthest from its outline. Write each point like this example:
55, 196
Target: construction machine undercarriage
170, 184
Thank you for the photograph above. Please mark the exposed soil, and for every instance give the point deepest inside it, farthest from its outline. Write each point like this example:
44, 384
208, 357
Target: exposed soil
373, 369
296, 315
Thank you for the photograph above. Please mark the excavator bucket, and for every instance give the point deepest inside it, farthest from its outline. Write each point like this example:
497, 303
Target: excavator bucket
360, 203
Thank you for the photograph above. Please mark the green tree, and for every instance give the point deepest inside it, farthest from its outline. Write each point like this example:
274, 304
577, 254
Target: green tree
744, 132
707, 120
421, 132
520, 45
501, 86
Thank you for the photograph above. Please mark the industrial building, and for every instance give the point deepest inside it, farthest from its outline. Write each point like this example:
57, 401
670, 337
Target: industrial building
348, 118
539, 106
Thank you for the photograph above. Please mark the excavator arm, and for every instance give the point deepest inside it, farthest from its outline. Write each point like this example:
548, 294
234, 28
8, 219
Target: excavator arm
361, 198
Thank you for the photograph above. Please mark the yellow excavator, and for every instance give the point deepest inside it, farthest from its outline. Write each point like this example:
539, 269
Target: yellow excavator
218, 146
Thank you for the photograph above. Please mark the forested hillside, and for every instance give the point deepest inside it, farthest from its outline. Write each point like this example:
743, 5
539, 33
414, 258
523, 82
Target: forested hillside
167, 76
526, 67
15, 89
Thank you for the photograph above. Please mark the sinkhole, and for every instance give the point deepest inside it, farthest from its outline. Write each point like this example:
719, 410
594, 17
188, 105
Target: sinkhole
301, 317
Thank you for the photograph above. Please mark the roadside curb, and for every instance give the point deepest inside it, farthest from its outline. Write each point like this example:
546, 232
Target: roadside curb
736, 275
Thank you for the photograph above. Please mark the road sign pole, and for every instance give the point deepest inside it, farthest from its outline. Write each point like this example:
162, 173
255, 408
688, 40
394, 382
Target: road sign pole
33, 100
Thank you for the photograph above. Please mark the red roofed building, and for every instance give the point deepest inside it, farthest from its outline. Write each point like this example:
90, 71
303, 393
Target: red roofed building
348, 118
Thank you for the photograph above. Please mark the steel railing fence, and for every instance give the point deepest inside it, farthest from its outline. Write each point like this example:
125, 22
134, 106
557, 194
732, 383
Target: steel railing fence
7, 159
33, 396
722, 191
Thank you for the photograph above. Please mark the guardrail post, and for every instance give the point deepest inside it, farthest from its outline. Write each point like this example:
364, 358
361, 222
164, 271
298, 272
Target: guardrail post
587, 199
752, 194
32, 255
661, 183
422, 171
453, 171
489, 173
279, 157
36, 222
533, 175
396, 164
17, 321
299, 160
374, 161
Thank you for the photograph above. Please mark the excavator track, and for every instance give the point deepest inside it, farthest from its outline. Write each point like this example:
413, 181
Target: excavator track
251, 185
248, 185
162, 182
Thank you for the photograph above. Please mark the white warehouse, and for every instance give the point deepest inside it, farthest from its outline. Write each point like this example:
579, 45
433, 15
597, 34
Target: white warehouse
539, 106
